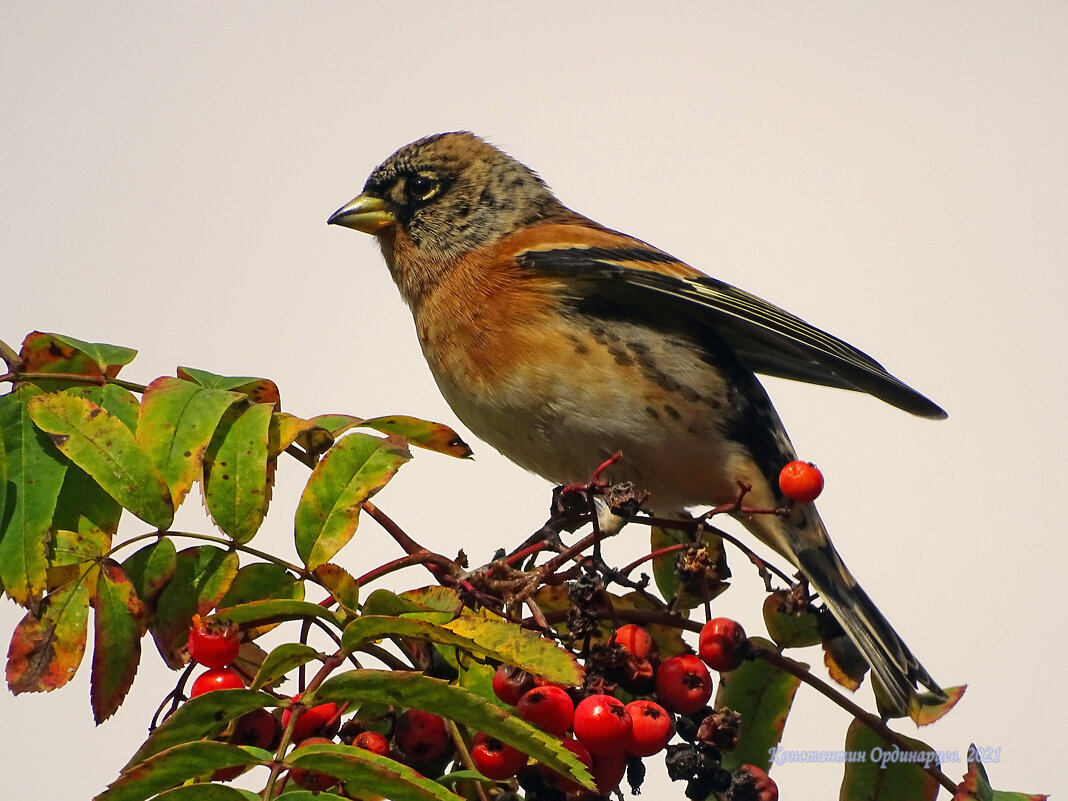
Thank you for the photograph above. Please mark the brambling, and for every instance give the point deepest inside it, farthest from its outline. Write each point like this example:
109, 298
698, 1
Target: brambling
560, 342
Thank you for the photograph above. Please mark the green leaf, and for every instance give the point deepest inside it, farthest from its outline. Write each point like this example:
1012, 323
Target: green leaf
172, 767
511, 643
281, 660
104, 356
237, 489
886, 773
692, 588
75, 555
151, 569
787, 627
414, 690
46, 648
261, 581
83, 504
436, 599
308, 795
359, 769
198, 718
549, 658
339, 583
352, 471
211, 792
101, 445
275, 611
176, 424
203, 575
121, 620
34, 475
259, 390
384, 602
762, 694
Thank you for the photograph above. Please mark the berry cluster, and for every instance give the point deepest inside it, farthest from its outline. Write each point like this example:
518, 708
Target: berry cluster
417, 738
611, 736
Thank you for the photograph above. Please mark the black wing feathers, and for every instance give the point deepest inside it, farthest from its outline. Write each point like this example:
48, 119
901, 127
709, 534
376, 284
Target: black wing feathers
766, 338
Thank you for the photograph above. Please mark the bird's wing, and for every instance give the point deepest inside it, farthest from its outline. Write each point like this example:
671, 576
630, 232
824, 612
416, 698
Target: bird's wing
766, 338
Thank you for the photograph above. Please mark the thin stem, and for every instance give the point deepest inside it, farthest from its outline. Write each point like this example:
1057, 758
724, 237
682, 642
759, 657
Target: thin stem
74, 378
10, 357
303, 572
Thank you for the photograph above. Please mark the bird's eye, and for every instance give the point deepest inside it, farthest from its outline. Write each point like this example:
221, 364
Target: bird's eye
421, 188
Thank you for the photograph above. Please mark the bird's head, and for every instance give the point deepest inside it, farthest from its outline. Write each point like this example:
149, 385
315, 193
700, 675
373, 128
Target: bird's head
444, 196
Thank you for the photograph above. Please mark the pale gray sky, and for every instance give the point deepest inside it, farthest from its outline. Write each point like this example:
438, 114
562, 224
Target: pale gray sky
894, 173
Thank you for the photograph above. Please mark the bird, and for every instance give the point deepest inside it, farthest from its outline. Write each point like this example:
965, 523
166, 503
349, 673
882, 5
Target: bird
560, 342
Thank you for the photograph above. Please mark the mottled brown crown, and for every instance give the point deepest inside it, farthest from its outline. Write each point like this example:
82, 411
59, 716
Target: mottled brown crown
454, 192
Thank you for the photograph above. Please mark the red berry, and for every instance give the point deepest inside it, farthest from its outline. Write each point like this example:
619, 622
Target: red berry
566, 784
312, 779
722, 644
421, 736
372, 741
652, 728
752, 784
801, 481
316, 721
216, 679
549, 708
602, 724
213, 643
636, 641
608, 771
509, 683
683, 684
494, 759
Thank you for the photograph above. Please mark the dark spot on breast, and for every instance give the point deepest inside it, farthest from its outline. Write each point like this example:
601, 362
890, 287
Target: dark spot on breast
620, 355
653, 413
672, 412
638, 347
690, 394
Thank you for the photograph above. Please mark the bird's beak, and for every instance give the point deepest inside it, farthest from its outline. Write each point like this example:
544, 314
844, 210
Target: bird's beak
365, 213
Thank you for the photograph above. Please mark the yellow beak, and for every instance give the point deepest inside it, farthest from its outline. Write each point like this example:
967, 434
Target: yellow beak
364, 213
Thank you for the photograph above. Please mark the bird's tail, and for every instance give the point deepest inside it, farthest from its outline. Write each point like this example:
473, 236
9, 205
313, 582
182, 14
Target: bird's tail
802, 538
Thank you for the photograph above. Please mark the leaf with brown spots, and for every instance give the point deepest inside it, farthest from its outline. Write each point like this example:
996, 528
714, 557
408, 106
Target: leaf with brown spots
352, 471
119, 623
287, 429
34, 475
421, 433
58, 353
176, 424
236, 485
101, 445
47, 647
340, 583
258, 390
